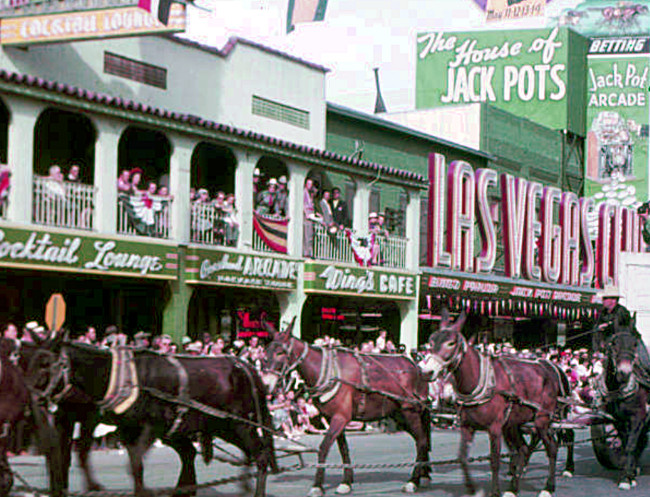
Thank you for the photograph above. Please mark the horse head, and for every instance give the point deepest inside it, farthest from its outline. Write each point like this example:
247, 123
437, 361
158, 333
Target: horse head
446, 346
620, 350
277, 356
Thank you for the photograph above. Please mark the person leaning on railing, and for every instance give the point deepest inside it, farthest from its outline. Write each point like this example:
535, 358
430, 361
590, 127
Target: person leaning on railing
644, 214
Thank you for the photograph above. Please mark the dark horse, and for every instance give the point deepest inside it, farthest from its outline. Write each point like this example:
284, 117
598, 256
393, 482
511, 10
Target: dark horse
74, 408
350, 386
499, 395
625, 395
15, 403
177, 399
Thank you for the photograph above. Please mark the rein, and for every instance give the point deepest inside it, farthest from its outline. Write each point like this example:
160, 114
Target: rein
58, 372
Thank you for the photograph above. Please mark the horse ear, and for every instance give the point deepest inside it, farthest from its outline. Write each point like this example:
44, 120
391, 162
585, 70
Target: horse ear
289, 329
460, 321
36, 338
472, 340
444, 316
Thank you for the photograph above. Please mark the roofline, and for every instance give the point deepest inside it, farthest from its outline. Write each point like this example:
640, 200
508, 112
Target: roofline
399, 128
233, 41
22, 83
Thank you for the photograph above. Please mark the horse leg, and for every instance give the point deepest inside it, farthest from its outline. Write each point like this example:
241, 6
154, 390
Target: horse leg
6, 475
337, 425
65, 427
413, 425
628, 473
137, 441
494, 434
187, 454
84, 446
345, 487
568, 437
550, 444
466, 436
518, 455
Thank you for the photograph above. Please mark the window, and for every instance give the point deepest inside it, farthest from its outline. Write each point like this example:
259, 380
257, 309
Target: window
280, 112
135, 70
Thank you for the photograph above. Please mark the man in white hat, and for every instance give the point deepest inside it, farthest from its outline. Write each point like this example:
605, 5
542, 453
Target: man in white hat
266, 198
611, 316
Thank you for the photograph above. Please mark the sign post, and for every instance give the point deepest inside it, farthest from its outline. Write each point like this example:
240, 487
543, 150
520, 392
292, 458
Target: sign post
55, 312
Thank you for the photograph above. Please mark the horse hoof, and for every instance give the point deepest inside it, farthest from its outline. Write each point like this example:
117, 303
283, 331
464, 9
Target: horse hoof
509, 494
624, 486
409, 488
545, 493
633, 483
315, 492
567, 474
343, 488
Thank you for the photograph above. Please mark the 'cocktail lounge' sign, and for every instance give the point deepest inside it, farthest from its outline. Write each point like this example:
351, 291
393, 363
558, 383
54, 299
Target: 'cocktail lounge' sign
59, 251
227, 268
367, 282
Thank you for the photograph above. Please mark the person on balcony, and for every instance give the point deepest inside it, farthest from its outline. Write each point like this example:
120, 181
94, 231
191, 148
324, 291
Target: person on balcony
230, 218
281, 198
326, 213
124, 182
201, 215
339, 209
73, 174
308, 219
266, 198
219, 221
5, 185
136, 177
256, 183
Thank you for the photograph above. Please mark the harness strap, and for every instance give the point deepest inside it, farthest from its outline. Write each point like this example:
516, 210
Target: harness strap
123, 389
183, 393
484, 390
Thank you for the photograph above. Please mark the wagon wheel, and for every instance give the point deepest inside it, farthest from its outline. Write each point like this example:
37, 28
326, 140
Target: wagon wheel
607, 446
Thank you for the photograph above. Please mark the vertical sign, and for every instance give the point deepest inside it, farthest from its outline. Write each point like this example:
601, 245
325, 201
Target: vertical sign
617, 120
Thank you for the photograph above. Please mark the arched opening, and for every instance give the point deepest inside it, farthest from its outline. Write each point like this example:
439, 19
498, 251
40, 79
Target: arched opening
144, 201
64, 169
231, 313
271, 206
212, 194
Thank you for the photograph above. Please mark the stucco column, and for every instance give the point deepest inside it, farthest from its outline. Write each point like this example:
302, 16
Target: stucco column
176, 308
412, 231
409, 324
296, 186
20, 157
361, 208
246, 163
179, 186
291, 306
106, 173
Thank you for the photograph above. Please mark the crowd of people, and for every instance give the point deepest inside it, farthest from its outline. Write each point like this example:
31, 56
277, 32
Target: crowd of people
217, 215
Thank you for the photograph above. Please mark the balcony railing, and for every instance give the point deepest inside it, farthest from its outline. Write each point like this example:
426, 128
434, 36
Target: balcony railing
62, 203
144, 215
328, 247
209, 226
3, 210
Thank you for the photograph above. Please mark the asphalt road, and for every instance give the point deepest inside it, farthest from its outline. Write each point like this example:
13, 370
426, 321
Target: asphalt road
162, 466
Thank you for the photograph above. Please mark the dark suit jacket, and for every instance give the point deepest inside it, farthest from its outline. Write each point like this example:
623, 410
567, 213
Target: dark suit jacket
340, 213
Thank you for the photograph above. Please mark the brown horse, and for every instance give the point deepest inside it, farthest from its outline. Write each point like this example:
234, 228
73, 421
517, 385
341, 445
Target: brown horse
498, 395
350, 386
15, 403
178, 399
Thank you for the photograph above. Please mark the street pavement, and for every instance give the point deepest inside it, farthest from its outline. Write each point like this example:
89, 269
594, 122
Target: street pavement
162, 467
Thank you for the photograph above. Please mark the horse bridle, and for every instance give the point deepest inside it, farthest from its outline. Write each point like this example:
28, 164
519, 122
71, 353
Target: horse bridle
288, 367
452, 363
58, 374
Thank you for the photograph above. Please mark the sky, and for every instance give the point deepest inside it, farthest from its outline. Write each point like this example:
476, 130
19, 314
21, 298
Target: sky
355, 37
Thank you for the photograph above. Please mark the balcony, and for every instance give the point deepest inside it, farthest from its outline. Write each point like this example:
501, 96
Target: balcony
144, 215
63, 204
209, 226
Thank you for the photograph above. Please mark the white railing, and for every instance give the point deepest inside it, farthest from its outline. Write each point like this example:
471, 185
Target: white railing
3, 210
208, 226
259, 245
61, 203
392, 249
155, 221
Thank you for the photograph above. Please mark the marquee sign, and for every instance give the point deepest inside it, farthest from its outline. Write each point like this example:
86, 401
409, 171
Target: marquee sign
544, 231
86, 25
37, 249
220, 267
362, 282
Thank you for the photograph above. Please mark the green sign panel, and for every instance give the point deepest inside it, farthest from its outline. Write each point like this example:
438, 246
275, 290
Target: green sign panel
359, 281
525, 72
233, 269
58, 251
617, 120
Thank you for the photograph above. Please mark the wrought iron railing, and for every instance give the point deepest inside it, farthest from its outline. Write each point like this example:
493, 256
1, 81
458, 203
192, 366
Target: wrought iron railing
144, 215
209, 226
62, 203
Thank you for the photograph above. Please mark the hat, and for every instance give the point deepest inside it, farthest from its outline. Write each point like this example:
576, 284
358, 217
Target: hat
283, 180
372, 214
257, 172
32, 325
135, 170
201, 191
186, 340
39, 329
142, 334
273, 181
610, 292
195, 347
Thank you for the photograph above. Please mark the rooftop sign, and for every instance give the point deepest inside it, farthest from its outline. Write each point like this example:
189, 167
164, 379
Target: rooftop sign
85, 25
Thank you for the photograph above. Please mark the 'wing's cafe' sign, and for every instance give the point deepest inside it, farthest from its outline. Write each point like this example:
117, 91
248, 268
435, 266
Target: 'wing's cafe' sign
544, 231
